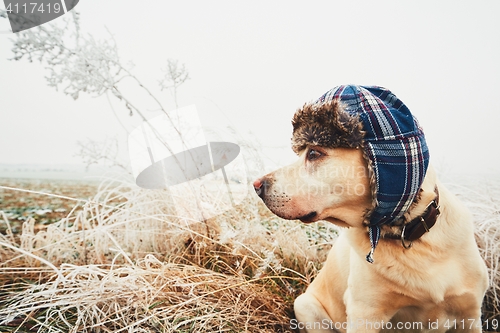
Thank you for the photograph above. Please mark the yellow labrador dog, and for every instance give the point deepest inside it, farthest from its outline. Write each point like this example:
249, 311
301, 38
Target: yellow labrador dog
407, 260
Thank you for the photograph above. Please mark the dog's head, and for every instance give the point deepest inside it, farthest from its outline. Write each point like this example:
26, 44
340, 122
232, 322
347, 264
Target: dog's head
362, 158
331, 179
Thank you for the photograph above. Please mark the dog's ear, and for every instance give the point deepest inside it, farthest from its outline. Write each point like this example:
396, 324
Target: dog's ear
327, 125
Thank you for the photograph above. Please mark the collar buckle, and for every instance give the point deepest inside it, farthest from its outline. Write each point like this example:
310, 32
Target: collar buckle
403, 242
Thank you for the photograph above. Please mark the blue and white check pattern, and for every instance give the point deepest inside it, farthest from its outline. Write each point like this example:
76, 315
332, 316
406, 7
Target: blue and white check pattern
395, 145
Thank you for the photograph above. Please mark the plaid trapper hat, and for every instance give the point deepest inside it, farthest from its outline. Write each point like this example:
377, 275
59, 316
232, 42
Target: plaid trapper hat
394, 147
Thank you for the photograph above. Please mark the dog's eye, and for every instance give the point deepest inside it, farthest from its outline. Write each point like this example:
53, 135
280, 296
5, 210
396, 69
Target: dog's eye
313, 154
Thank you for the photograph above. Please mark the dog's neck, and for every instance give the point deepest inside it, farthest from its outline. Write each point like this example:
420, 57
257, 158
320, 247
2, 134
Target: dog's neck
421, 216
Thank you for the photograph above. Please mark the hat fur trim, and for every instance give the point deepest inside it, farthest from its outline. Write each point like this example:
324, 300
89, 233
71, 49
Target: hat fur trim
327, 125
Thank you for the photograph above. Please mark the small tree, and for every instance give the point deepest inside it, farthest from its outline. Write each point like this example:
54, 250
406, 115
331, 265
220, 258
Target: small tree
175, 76
77, 62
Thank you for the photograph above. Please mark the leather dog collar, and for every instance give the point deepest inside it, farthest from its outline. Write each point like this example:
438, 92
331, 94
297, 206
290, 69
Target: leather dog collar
420, 225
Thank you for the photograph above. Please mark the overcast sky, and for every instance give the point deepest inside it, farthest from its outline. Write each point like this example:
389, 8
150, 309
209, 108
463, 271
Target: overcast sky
252, 64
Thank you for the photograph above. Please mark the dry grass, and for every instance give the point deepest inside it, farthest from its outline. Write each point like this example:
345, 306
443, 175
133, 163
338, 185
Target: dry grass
123, 262
482, 196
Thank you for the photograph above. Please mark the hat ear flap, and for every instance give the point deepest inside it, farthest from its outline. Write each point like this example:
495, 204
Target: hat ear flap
373, 186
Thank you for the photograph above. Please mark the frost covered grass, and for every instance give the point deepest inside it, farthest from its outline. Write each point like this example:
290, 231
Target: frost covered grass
124, 262
482, 197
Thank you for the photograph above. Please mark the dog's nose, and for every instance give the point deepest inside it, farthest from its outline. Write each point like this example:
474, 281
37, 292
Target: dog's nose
260, 185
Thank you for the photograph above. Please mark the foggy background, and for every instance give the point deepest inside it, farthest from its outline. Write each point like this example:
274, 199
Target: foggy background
252, 64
